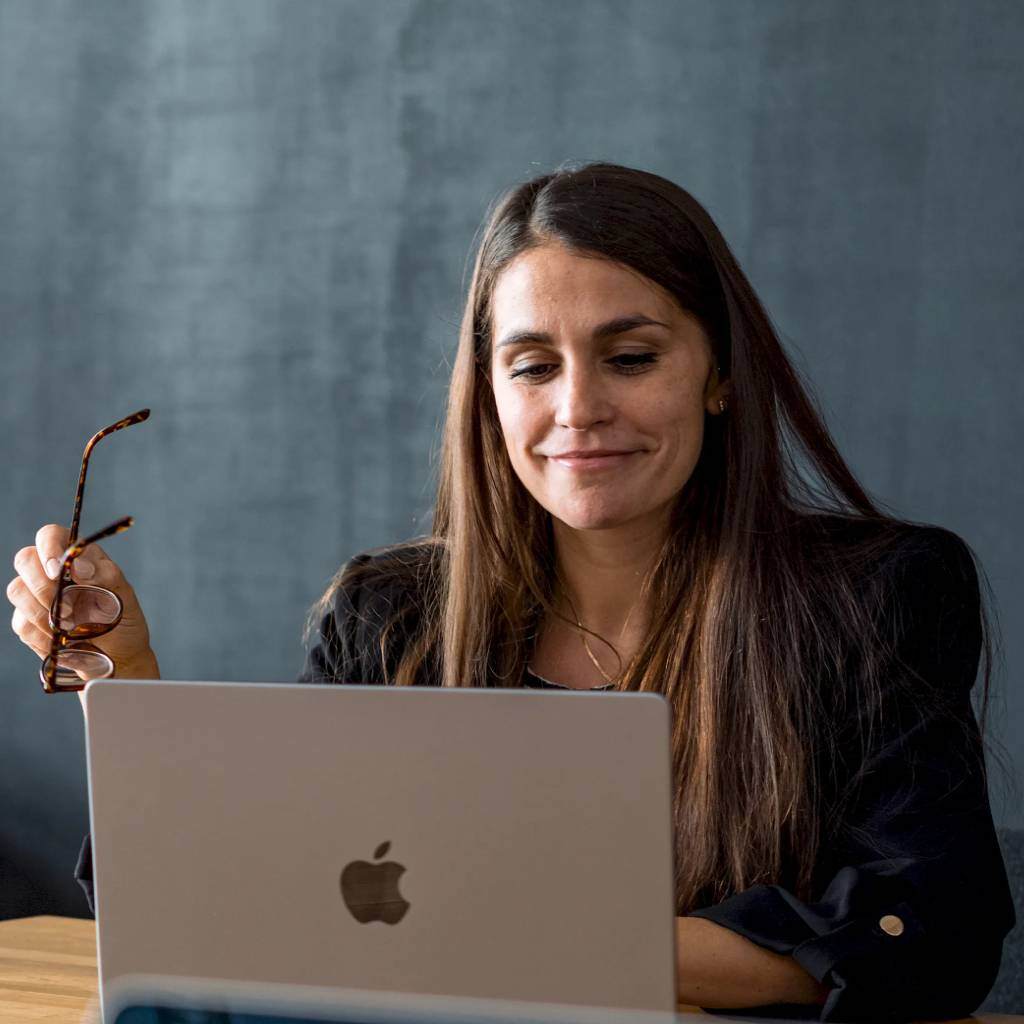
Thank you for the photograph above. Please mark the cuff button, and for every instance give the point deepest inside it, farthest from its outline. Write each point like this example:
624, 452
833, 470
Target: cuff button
891, 925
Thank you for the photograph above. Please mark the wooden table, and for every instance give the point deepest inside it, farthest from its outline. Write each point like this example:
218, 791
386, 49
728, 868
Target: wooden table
48, 973
47, 970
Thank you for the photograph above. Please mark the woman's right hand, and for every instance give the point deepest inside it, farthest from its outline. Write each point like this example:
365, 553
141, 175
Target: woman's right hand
32, 590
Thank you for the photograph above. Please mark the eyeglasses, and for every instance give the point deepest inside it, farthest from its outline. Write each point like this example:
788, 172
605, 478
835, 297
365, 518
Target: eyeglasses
81, 612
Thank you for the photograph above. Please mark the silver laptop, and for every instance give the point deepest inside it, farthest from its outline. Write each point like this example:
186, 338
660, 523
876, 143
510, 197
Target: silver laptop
497, 844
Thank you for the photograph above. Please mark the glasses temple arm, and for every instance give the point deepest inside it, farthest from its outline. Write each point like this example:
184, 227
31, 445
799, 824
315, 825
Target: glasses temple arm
135, 417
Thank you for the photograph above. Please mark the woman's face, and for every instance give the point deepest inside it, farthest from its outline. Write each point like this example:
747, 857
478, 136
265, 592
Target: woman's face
590, 355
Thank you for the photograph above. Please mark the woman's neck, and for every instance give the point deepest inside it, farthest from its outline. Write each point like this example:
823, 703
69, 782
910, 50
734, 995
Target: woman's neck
600, 574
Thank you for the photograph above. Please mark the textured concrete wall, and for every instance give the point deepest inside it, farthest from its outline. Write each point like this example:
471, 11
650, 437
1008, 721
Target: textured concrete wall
254, 216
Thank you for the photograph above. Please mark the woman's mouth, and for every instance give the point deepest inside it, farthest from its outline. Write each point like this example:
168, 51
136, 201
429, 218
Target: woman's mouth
592, 461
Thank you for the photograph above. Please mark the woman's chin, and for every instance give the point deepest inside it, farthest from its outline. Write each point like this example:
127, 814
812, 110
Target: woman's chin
595, 519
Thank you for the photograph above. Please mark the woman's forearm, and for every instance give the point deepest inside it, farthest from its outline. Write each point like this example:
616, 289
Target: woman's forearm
718, 969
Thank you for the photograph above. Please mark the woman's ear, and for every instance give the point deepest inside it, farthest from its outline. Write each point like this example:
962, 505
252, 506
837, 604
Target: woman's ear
717, 392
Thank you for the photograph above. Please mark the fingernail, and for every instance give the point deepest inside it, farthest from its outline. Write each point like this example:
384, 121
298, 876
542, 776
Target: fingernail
84, 569
52, 568
65, 610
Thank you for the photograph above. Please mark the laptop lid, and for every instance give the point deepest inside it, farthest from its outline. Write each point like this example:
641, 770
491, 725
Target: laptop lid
504, 844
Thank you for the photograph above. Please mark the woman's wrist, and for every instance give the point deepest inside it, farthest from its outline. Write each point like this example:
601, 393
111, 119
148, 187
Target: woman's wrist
720, 969
143, 667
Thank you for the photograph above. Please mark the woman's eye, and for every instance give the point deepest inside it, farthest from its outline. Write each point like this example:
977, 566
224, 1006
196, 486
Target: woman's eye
630, 362
641, 359
527, 371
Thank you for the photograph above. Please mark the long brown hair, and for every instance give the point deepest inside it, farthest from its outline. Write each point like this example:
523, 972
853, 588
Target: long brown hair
759, 608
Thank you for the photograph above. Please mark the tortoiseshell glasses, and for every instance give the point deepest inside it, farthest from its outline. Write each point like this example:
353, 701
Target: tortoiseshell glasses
80, 612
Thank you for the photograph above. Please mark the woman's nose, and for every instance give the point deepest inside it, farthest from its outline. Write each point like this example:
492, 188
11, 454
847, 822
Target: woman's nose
581, 398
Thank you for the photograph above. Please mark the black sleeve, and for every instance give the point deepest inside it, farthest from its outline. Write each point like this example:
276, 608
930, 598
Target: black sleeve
914, 906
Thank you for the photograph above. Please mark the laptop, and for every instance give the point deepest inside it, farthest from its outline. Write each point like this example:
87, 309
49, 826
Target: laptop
139, 1000
484, 843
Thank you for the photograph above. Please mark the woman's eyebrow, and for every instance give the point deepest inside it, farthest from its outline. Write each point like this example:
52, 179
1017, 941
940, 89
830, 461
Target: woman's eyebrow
618, 325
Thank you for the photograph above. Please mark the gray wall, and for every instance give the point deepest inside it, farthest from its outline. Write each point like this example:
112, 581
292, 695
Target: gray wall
253, 216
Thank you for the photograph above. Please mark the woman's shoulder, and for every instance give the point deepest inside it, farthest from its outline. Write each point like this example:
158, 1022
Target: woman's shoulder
391, 578
416, 555
921, 584
900, 552
375, 604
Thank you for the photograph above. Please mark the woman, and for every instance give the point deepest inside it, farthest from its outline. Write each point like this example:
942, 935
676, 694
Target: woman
637, 493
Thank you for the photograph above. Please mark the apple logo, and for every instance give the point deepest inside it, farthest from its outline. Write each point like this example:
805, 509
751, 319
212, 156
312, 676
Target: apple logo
370, 891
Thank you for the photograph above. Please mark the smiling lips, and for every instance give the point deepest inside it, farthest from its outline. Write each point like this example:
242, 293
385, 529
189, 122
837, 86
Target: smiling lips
591, 460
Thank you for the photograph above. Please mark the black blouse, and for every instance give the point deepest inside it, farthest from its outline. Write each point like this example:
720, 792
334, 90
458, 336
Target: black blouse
912, 903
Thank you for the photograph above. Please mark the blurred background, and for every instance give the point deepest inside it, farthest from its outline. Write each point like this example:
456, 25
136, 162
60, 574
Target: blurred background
254, 217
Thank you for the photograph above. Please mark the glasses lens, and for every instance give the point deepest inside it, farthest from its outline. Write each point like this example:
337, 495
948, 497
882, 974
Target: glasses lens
76, 665
88, 611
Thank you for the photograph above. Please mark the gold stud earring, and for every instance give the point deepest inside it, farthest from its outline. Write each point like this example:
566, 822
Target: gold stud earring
722, 405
